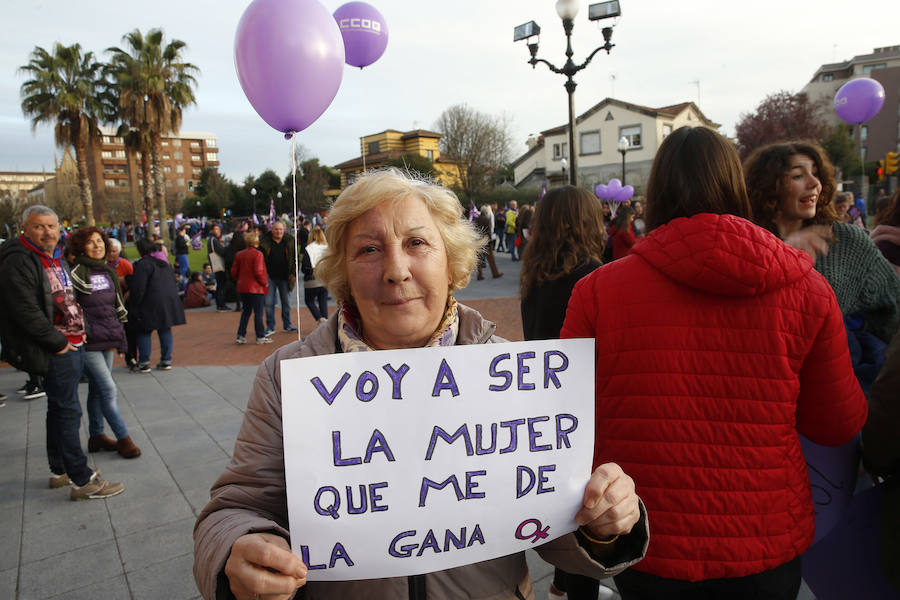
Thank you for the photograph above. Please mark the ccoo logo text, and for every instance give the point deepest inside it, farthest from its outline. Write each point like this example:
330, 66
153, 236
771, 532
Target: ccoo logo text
360, 24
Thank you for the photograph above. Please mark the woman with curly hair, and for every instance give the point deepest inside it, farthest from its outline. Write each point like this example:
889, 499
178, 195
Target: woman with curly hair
790, 186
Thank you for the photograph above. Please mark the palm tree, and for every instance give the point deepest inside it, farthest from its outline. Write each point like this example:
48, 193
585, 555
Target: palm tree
154, 86
65, 88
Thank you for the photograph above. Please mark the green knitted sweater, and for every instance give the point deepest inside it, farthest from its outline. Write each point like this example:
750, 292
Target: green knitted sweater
863, 280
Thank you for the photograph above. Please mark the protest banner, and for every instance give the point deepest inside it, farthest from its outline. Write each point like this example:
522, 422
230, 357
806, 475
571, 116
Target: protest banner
403, 462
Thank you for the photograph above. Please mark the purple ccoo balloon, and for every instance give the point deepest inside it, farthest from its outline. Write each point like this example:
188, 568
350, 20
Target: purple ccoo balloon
859, 100
289, 57
364, 31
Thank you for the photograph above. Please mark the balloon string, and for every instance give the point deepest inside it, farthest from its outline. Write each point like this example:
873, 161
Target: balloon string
296, 236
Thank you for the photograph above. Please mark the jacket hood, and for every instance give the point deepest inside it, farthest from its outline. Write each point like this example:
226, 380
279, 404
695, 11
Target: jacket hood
11, 246
722, 254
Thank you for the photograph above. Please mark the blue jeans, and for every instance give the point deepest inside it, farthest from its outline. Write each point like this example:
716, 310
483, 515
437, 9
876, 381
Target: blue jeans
280, 287
511, 245
317, 301
252, 303
184, 266
64, 452
165, 346
101, 400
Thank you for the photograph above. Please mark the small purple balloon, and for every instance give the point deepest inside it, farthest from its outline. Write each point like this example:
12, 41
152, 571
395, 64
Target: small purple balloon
289, 57
601, 191
364, 31
624, 194
859, 100
614, 186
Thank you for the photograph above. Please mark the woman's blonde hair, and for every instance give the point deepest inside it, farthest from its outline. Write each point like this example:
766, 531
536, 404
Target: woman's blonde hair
461, 241
317, 236
251, 238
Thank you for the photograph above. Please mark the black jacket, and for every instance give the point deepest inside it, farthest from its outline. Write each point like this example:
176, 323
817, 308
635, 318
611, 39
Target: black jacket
153, 301
544, 309
290, 249
26, 310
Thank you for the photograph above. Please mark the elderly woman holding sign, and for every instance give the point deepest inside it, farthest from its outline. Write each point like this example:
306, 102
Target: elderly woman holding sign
397, 249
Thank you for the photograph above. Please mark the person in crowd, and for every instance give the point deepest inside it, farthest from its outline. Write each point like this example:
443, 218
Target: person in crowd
159, 249
236, 244
280, 252
153, 305
43, 332
249, 270
119, 263
512, 213
314, 292
196, 296
209, 281
484, 223
523, 227
499, 228
716, 346
303, 234
98, 292
886, 234
639, 225
621, 234
182, 249
388, 236
881, 455
567, 240
790, 187
216, 252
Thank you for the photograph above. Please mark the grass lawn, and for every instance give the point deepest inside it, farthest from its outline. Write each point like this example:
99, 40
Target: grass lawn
196, 258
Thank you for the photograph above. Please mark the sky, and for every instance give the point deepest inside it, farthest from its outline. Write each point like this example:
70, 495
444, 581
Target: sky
724, 55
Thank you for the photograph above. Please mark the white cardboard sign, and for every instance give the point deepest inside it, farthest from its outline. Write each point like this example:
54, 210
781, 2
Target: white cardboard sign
403, 462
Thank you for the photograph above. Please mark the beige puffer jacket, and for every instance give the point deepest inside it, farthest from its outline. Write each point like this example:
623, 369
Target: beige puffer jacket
250, 497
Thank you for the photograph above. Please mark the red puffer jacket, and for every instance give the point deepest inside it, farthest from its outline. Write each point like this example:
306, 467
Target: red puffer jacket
249, 269
716, 344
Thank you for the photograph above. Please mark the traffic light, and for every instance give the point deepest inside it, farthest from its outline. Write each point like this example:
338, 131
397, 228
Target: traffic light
880, 164
890, 163
191, 185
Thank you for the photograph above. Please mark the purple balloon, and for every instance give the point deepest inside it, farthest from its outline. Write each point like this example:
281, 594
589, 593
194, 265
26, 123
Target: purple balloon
624, 194
601, 191
289, 57
859, 100
614, 187
364, 31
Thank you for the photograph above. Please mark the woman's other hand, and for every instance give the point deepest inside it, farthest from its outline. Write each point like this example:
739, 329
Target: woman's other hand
610, 506
813, 240
261, 565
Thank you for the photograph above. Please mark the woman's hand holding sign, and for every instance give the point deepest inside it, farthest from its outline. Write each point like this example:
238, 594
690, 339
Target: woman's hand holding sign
610, 505
262, 565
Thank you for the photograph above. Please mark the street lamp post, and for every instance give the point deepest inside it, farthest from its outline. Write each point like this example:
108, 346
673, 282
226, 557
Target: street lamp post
623, 146
567, 10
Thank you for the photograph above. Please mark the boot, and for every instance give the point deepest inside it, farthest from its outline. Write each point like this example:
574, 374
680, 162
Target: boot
96, 443
127, 449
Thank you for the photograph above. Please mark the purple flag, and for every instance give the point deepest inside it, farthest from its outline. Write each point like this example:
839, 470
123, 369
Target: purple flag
255, 219
271, 213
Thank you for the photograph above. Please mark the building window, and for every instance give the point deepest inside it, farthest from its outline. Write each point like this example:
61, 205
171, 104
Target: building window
179, 168
560, 151
176, 142
667, 129
180, 182
177, 155
107, 139
589, 142
632, 134
211, 156
109, 183
167, 169
211, 143
429, 154
372, 148
197, 173
828, 77
106, 154
196, 157
123, 183
167, 156
869, 68
165, 143
863, 133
